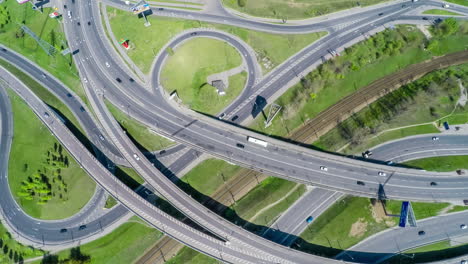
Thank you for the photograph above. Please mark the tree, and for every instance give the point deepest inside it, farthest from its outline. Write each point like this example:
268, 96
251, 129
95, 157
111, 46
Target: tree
241, 3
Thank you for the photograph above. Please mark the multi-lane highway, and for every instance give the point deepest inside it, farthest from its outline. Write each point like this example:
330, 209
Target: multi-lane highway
218, 139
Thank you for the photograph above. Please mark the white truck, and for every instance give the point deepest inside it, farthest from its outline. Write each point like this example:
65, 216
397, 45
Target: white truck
257, 141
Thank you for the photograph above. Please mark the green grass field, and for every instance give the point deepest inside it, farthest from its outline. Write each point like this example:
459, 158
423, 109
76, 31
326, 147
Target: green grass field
144, 139
187, 69
294, 9
189, 256
48, 29
28, 155
207, 176
440, 12
421, 210
11, 248
441, 164
266, 193
146, 42
459, 2
122, 246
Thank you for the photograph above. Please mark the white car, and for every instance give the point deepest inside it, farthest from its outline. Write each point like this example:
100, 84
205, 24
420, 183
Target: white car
85, 80
323, 168
107, 64
445, 5
381, 173
221, 117
435, 138
463, 226
136, 156
69, 14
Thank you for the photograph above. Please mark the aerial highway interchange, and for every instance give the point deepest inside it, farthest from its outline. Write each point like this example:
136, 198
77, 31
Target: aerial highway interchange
220, 239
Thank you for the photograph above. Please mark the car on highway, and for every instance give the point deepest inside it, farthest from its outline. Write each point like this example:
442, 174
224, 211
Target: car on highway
234, 118
69, 95
46, 115
107, 64
381, 173
323, 168
118, 80
101, 137
463, 226
445, 5
82, 227
433, 183
309, 219
89, 23
44, 76
380, 14
69, 14
421, 233
82, 109
435, 138
360, 183
240, 145
221, 116
136, 156
63, 230
131, 79
425, 18
193, 34
390, 162
85, 80
78, 23
366, 154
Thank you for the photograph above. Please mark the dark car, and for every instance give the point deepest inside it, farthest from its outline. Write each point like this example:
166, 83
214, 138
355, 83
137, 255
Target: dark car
4, 50
89, 23
402, 6
69, 95
234, 118
131, 80
421, 233
65, 6
239, 145
360, 183
193, 34
433, 183
380, 14
425, 18
82, 109
118, 80
160, 9
78, 23
63, 230
82, 227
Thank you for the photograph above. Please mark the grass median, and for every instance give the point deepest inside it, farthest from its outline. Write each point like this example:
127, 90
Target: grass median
293, 9
44, 179
440, 12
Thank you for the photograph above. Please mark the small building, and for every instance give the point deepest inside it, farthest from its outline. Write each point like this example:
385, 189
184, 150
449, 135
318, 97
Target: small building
220, 86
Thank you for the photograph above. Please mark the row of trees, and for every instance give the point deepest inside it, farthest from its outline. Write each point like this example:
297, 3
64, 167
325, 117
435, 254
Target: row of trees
45, 184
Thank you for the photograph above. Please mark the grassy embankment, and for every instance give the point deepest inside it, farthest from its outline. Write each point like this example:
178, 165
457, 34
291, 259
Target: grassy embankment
48, 29
12, 251
70, 187
123, 245
293, 9
146, 42
143, 138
